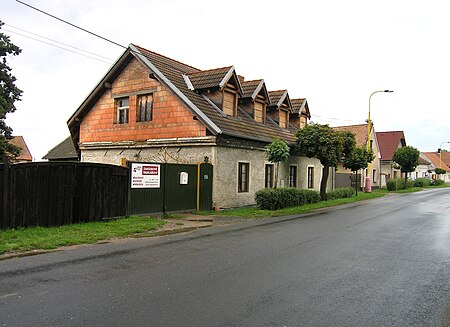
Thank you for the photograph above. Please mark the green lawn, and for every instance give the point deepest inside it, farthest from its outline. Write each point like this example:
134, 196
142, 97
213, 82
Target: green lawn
253, 212
23, 239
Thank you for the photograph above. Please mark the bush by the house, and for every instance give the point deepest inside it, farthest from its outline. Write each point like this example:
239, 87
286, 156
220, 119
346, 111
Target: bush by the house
439, 182
399, 184
421, 182
395, 184
278, 198
339, 193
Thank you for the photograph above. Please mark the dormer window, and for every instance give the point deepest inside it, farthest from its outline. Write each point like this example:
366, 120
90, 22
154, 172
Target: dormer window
229, 103
283, 119
259, 112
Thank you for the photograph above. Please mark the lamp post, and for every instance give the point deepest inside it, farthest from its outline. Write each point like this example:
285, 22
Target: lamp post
368, 186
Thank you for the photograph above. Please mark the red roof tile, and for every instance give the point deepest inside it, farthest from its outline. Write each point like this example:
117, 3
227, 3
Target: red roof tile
360, 132
389, 142
25, 154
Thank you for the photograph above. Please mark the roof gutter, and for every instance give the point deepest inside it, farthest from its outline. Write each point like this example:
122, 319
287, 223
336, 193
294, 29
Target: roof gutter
202, 117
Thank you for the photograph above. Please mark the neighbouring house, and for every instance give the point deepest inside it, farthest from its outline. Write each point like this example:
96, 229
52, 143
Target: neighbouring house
25, 155
64, 151
439, 160
389, 142
423, 169
151, 108
343, 176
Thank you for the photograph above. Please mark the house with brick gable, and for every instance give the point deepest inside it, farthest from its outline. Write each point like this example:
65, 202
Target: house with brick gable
151, 108
389, 142
344, 176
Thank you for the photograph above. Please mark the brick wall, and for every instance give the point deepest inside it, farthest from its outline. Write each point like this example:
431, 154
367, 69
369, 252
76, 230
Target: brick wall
171, 119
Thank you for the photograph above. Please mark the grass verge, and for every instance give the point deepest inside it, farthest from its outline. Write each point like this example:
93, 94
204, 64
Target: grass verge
24, 239
253, 212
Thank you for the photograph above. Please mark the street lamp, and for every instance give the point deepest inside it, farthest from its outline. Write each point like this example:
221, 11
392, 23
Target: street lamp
368, 186
440, 153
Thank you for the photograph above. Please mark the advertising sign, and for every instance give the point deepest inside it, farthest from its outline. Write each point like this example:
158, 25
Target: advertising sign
145, 175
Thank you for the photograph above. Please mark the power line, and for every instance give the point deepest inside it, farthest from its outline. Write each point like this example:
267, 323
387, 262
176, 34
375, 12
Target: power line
73, 25
46, 38
56, 46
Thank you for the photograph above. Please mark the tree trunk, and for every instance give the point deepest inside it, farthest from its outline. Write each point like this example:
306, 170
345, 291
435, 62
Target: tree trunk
276, 175
323, 182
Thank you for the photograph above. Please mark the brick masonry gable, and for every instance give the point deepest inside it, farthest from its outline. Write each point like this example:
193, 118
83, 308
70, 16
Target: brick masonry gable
171, 118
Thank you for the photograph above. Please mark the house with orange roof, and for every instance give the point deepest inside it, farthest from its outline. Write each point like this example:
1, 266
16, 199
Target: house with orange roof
439, 160
345, 176
152, 108
25, 155
389, 142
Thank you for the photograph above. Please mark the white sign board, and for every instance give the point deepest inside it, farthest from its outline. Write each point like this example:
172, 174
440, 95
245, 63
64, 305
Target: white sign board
145, 175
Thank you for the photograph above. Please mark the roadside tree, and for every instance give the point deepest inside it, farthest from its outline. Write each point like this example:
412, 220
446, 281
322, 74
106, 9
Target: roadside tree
407, 158
329, 146
9, 93
358, 159
276, 152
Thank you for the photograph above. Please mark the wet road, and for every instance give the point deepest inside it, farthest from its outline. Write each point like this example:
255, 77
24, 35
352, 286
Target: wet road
384, 262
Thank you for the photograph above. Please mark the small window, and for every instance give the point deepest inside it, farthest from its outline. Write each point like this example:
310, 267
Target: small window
310, 177
145, 107
268, 180
374, 176
371, 144
243, 177
292, 176
123, 106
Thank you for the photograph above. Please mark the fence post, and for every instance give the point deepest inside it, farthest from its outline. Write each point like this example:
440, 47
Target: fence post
5, 220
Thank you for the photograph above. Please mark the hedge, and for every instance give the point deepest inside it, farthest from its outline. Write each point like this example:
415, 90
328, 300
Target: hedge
278, 198
339, 193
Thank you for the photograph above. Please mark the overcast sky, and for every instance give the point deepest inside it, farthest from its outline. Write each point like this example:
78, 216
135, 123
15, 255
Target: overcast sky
333, 53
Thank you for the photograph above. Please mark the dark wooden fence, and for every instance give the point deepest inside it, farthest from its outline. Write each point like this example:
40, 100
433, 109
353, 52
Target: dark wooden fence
58, 193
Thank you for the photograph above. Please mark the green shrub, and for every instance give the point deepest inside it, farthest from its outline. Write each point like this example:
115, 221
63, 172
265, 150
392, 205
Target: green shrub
398, 184
421, 182
339, 193
278, 198
409, 183
439, 182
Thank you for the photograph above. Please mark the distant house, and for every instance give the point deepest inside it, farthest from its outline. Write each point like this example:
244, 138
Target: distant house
423, 169
25, 155
389, 142
64, 151
439, 160
343, 175
149, 107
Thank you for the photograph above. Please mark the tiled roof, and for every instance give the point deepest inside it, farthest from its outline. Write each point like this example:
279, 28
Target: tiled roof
423, 161
249, 87
209, 78
436, 157
276, 96
242, 126
389, 142
25, 154
297, 105
360, 132
63, 151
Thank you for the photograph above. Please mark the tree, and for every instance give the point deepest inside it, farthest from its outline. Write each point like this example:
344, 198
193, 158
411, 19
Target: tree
358, 159
440, 171
276, 152
329, 146
407, 158
9, 93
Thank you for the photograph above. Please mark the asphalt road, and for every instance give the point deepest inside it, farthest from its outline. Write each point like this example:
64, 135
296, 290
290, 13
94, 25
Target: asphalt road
383, 262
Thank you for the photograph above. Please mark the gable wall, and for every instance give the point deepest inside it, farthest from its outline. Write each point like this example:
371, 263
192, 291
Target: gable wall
171, 118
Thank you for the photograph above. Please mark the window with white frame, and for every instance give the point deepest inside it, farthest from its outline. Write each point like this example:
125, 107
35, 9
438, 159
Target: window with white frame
123, 105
